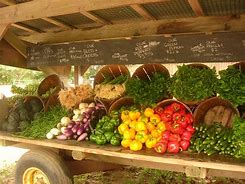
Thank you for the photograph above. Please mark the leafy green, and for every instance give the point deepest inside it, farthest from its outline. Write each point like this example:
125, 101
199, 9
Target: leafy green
117, 80
42, 125
191, 83
239, 136
231, 85
147, 92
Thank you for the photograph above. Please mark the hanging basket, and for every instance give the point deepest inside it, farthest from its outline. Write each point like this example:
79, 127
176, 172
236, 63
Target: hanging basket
194, 103
215, 110
123, 101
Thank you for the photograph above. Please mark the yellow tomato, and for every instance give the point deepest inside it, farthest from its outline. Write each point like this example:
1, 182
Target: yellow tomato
132, 124
125, 115
141, 136
129, 134
122, 128
148, 112
135, 145
140, 126
150, 142
126, 143
150, 126
155, 118
134, 115
161, 126
156, 133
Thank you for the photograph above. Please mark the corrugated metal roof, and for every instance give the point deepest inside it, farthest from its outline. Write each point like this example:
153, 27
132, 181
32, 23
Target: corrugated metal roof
75, 19
170, 9
42, 25
117, 14
222, 7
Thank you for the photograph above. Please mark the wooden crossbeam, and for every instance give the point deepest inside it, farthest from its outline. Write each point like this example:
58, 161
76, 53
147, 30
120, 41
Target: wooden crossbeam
8, 2
58, 23
196, 7
3, 29
15, 42
26, 28
140, 10
46, 8
94, 18
191, 25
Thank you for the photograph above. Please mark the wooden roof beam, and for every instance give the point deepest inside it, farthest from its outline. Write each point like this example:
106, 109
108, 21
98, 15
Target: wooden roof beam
196, 7
140, 10
8, 2
16, 43
26, 28
94, 18
58, 23
46, 8
144, 28
3, 30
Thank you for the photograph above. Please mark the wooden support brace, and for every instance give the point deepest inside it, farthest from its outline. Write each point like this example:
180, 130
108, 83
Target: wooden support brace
15, 42
197, 172
196, 7
3, 30
140, 10
58, 23
26, 28
94, 18
8, 2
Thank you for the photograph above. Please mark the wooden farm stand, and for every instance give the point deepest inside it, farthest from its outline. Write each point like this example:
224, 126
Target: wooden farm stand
121, 32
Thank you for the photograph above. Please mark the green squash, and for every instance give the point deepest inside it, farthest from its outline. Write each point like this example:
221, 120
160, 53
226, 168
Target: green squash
23, 125
12, 127
4, 126
13, 117
24, 115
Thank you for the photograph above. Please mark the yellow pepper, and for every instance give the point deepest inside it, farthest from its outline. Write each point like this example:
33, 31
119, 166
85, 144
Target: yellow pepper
135, 145
125, 115
127, 121
150, 126
126, 143
122, 128
148, 112
134, 115
141, 136
155, 118
140, 126
129, 134
132, 124
156, 133
161, 126
150, 142
143, 118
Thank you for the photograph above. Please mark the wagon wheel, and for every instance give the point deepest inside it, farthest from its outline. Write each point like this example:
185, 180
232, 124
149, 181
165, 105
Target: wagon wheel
42, 167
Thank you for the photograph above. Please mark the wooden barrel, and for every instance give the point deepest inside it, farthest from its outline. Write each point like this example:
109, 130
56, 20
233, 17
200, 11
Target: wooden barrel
123, 101
112, 71
167, 102
194, 103
146, 71
215, 110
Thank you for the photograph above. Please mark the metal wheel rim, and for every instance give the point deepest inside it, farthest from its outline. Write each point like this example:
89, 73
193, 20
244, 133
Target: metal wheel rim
34, 175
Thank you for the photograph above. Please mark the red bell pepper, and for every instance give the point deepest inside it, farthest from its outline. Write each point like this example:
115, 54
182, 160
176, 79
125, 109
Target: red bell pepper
158, 110
176, 116
189, 118
166, 135
190, 128
177, 107
184, 145
186, 136
173, 147
176, 129
160, 147
183, 121
166, 117
168, 126
174, 138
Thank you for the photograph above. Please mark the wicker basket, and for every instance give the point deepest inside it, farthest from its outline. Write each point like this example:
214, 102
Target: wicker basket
215, 110
166, 102
123, 101
194, 103
110, 70
27, 100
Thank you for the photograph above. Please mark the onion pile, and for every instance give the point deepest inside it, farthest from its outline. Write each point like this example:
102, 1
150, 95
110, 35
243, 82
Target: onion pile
82, 123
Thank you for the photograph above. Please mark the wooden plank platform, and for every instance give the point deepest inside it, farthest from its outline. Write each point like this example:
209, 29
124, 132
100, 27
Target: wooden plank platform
148, 156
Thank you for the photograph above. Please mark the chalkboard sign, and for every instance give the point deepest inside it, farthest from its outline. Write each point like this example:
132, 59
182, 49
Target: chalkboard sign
219, 47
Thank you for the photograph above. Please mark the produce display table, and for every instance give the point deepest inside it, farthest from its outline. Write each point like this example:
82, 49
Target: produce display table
191, 164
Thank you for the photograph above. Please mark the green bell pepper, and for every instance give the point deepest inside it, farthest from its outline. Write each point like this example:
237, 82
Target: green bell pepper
115, 141
108, 135
101, 139
108, 127
93, 138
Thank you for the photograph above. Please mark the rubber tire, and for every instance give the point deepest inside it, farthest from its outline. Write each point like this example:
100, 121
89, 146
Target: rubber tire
48, 162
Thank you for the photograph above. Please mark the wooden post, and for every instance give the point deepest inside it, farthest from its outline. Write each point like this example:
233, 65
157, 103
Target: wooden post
76, 75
